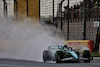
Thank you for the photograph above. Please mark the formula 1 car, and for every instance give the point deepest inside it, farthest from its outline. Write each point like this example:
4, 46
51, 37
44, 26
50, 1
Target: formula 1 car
60, 53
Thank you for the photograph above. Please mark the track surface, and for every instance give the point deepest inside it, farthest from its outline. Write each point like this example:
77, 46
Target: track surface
22, 63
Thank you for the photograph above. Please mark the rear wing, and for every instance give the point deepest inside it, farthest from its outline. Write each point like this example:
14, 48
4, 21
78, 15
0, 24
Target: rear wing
54, 47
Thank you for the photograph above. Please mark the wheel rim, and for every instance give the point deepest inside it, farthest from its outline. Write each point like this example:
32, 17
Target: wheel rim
58, 58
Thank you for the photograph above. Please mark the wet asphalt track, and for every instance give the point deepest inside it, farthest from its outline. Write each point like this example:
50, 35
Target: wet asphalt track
22, 63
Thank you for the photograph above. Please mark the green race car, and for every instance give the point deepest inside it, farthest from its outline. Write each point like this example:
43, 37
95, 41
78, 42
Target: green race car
61, 53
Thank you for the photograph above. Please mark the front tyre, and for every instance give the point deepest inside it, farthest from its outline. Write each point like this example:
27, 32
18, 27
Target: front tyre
86, 54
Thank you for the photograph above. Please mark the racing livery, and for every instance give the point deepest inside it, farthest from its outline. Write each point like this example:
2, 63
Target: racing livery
61, 53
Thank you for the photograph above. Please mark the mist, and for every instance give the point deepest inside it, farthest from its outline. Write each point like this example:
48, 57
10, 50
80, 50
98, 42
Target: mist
26, 40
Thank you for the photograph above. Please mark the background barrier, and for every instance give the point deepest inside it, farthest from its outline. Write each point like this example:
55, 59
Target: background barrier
81, 44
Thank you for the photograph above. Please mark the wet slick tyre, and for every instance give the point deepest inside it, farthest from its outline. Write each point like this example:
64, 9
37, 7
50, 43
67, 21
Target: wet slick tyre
58, 56
46, 55
86, 54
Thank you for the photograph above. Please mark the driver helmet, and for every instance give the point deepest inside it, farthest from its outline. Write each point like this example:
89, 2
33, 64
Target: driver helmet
65, 45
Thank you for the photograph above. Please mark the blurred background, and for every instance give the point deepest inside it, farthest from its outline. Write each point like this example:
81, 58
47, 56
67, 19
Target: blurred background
73, 19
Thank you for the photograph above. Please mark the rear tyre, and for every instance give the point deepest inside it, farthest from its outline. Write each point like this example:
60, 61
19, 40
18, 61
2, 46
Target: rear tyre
46, 55
58, 56
86, 54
